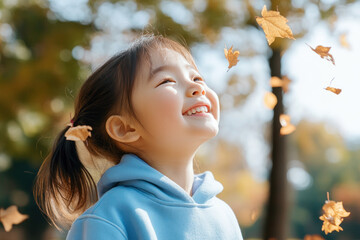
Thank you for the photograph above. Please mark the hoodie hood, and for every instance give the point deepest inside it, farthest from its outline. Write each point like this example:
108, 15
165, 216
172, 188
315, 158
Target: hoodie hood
138, 202
134, 172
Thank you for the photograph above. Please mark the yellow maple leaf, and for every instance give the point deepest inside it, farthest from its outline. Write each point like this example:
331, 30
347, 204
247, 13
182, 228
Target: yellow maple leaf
78, 133
232, 57
328, 227
274, 25
334, 213
323, 52
286, 126
11, 216
270, 100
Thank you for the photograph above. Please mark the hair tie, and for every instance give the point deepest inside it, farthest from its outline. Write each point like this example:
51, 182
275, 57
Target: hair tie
78, 133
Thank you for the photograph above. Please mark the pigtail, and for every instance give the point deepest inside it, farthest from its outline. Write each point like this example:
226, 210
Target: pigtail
64, 188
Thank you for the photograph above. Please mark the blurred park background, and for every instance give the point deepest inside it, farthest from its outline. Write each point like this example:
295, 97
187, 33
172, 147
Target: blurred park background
275, 184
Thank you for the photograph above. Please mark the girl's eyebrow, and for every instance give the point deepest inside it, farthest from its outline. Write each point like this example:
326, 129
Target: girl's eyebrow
164, 67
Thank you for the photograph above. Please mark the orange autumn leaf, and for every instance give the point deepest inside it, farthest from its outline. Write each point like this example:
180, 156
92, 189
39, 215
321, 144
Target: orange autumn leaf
274, 25
277, 82
313, 237
323, 52
287, 129
232, 57
270, 100
343, 41
286, 82
78, 133
334, 213
11, 216
334, 90
286, 126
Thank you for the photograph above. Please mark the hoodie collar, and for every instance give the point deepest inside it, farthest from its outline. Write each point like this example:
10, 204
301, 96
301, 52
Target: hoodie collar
133, 171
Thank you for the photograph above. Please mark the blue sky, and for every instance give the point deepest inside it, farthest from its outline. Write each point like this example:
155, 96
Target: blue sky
310, 74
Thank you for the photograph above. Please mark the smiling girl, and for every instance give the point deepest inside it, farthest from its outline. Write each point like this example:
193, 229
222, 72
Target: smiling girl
148, 110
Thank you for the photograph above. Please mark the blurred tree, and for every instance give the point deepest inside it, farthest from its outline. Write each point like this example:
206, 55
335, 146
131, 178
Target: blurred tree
36, 69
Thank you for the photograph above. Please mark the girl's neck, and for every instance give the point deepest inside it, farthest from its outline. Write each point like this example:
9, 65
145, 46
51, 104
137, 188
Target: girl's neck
178, 168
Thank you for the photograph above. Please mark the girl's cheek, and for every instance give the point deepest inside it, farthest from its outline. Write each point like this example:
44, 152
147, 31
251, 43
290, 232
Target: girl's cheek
167, 98
162, 110
214, 99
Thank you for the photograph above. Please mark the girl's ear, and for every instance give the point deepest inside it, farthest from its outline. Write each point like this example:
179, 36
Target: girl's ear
120, 129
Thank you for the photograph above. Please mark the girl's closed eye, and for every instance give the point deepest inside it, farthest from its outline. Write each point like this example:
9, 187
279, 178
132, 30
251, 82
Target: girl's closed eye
167, 80
199, 79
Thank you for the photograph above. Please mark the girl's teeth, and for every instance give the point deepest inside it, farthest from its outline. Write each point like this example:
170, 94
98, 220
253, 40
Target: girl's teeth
198, 109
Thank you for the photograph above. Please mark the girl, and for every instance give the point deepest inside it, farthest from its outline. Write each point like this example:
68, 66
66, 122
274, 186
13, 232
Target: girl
144, 113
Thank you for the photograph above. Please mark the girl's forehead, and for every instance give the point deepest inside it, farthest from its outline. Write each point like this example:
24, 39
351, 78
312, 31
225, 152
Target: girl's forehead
157, 57
164, 56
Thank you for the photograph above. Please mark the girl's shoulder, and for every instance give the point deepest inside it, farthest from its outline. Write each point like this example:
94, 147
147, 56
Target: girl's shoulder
106, 215
93, 227
118, 197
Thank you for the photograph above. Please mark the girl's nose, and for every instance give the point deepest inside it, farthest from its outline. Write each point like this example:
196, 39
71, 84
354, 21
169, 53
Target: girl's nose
196, 89
197, 92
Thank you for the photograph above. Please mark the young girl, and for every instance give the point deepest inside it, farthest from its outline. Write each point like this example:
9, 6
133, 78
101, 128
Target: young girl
144, 113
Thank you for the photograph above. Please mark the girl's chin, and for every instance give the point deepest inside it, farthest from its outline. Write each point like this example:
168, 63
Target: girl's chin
206, 133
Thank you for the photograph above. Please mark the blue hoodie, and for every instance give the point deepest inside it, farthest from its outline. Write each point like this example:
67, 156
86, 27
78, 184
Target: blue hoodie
138, 202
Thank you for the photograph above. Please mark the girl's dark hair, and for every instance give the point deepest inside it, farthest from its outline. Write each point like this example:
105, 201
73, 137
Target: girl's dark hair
64, 188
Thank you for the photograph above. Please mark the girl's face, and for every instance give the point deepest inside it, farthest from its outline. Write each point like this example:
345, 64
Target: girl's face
166, 94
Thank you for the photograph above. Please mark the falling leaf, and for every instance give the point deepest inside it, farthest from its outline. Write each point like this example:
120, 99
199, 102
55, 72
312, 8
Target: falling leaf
334, 213
78, 133
286, 82
232, 57
313, 237
324, 53
270, 100
334, 90
274, 25
11, 216
277, 82
287, 129
286, 126
331, 89
343, 41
